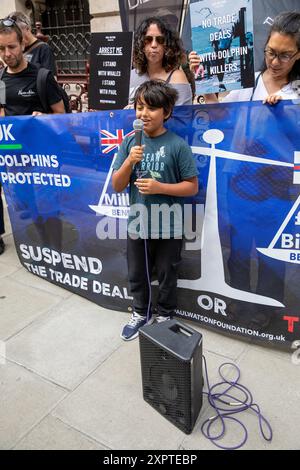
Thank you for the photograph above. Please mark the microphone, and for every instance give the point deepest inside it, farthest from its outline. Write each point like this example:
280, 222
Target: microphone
138, 126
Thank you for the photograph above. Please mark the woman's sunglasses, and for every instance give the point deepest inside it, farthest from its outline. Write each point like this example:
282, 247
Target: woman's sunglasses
159, 39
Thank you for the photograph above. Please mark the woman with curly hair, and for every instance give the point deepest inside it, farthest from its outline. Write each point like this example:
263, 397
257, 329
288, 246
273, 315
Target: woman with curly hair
158, 55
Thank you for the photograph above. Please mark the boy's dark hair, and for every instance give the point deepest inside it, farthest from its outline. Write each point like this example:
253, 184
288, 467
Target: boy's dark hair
158, 94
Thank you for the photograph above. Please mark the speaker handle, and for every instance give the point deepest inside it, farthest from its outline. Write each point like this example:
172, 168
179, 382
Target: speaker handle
181, 329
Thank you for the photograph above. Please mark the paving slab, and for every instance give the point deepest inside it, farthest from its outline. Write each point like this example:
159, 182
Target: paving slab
109, 407
25, 400
9, 257
20, 305
69, 343
275, 384
275, 387
52, 434
217, 343
196, 440
7, 270
70, 382
28, 279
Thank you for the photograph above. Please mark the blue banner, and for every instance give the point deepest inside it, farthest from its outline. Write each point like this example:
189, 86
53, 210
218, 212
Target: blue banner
240, 271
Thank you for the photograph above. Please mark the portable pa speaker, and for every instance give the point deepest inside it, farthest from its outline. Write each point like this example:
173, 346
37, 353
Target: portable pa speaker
171, 362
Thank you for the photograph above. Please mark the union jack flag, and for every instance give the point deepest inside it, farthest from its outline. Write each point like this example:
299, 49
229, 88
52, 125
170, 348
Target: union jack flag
113, 141
297, 168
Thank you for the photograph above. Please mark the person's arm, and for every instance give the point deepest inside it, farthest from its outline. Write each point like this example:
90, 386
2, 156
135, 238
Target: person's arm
58, 108
197, 68
195, 63
211, 98
135, 81
121, 177
46, 58
187, 187
178, 76
54, 96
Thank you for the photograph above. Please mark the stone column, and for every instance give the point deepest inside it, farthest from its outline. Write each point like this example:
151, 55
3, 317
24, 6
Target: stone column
106, 16
6, 6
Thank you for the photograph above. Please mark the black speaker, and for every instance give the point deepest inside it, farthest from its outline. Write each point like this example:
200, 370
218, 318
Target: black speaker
171, 362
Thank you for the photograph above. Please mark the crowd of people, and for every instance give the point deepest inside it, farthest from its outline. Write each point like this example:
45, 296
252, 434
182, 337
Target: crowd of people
159, 81
22, 54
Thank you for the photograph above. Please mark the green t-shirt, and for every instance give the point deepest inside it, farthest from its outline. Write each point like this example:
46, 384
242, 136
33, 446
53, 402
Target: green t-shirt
168, 159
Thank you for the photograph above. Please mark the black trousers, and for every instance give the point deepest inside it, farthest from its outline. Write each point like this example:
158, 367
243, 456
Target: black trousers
165, 256
1, 215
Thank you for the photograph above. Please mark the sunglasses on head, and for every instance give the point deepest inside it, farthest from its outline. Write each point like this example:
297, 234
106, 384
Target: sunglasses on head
8, 22
159, 39
11, 23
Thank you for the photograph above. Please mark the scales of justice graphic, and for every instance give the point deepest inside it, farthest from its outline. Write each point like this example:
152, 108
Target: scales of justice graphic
212, 267
121, 200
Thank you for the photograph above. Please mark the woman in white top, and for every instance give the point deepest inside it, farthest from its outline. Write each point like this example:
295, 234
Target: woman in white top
280, 75
256, 191
158, 55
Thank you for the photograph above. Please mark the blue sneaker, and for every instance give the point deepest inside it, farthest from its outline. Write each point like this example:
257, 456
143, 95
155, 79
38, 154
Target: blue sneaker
131, 330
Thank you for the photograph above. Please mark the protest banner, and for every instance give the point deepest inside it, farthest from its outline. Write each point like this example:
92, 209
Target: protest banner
241, 260
222, 34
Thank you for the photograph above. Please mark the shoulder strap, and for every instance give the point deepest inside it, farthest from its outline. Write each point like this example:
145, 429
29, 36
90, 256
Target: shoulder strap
255, 85
41, 85
37, 43
2, 105
170, 75
2, 72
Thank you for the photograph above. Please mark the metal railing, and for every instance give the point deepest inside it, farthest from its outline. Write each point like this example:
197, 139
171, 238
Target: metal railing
67, 25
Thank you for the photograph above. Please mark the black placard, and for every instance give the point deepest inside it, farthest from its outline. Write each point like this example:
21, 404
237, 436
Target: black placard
110, 70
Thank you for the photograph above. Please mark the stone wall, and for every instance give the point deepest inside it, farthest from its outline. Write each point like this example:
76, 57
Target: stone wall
106, 16
6, 6
105, 13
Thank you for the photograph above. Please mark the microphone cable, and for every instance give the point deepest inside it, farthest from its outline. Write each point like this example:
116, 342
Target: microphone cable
138, 126
148, 280
143, 234
221, 401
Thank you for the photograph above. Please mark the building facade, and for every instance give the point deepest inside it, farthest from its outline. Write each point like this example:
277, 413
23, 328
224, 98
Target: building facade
67, 26
105, 15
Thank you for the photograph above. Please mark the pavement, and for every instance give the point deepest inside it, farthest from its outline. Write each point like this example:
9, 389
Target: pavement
68, 381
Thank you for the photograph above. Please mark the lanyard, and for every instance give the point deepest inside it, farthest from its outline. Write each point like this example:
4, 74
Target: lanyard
255, 85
